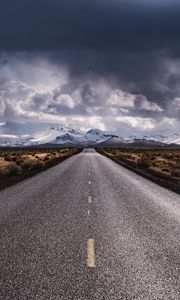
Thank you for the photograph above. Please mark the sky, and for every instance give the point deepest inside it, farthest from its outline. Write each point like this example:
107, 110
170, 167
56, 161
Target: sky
107, 64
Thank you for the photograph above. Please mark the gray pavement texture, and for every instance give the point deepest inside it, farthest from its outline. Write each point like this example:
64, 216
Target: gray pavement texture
45, 225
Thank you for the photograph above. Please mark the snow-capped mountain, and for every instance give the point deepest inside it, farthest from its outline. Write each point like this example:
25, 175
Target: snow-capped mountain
53, 134
97, 135
172, 139
65, 139
72, 136
14, 141
129, 143
116, 142
43, 137
65, 136
58, 136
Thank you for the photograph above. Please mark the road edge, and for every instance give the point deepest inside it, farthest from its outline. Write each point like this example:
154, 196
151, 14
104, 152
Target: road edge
143, 173
21, 177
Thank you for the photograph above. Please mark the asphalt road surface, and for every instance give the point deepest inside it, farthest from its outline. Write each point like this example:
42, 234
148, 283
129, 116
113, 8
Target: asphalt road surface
89, 229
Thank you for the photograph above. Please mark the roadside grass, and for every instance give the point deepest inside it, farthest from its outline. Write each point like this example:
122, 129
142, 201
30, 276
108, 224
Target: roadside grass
17, 164
159, 165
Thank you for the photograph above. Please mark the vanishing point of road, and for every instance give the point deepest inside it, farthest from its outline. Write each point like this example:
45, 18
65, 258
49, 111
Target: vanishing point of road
89, 229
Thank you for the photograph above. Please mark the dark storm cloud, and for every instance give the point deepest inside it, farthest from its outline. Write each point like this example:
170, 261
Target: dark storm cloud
133, 45
97, 24
126, 40
101, 37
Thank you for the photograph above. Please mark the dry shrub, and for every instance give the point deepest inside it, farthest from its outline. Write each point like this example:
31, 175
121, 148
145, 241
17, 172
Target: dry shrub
129, 156
47, 157
38, 164
175, 172
18, 159
168, 155
11, 169
165, 169
26, 165
144, 163
152, 157
32, 164
8, 157
177, 164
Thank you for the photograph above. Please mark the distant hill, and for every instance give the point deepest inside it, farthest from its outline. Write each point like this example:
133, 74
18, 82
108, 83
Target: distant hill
66, 137
129, 143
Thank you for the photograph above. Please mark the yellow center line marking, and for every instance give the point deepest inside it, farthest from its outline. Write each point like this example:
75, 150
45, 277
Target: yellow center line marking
89, 199
90, 254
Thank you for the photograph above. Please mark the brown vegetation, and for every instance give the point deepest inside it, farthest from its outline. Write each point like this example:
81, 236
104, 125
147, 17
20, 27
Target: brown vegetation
160, 165
17, 164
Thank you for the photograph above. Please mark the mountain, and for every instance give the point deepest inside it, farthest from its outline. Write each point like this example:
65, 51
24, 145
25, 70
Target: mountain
14, 141
65, 136
172, 139
80, 138
65, 139
57, 136
115, 142
96, 135
129, 143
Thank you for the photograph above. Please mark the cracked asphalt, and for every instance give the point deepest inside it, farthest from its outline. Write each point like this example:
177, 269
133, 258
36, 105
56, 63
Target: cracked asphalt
132, 227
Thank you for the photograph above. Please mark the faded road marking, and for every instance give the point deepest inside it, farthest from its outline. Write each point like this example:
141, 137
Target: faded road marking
90, 254
89, 199
89, 182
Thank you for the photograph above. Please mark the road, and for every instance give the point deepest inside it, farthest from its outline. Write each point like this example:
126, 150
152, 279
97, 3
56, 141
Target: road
89, 229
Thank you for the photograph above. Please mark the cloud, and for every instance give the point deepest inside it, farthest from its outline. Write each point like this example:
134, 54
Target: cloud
128, 25
97, 100
2, 108
143, 104
176, 103
114, 63
141, 123
122, 99
66, 100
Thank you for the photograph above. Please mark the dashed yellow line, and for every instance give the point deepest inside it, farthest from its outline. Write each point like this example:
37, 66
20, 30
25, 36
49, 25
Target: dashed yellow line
90, 254
89, 199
